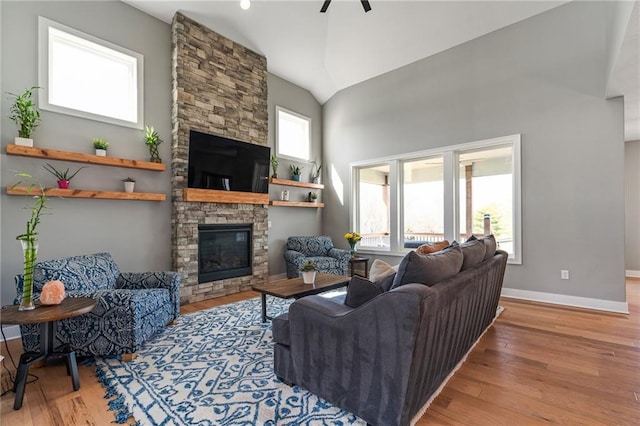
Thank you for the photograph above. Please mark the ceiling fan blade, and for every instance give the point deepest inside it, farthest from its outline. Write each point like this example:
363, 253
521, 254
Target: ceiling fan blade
365, 5
325, 6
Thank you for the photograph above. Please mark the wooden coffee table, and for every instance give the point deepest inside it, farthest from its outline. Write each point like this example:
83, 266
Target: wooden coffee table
295, 288
46, 316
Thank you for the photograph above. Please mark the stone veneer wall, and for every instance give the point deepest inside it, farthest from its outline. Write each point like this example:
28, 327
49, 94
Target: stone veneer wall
219, 87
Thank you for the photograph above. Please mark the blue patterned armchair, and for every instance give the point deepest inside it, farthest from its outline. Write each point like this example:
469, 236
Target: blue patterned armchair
320, 250
131, 307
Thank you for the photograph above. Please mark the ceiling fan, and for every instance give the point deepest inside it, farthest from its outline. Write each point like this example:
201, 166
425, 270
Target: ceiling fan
365, 5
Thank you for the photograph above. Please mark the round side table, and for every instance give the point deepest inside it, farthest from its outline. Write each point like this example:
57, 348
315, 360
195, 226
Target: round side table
46, 316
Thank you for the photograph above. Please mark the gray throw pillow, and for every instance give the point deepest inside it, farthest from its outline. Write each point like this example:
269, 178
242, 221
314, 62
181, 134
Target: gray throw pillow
360, 291
473, 253
489, 243
429, 269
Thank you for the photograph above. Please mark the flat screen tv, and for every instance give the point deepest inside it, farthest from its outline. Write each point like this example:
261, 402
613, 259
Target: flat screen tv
225, 164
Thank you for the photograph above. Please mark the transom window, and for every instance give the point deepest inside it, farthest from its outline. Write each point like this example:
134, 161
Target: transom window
84, 76
293, 135
447, 193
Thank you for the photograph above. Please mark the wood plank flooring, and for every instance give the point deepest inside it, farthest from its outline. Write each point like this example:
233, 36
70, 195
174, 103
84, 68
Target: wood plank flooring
538, 364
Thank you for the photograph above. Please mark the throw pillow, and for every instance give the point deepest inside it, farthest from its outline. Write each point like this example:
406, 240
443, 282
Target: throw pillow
429, 269
360, 291
429, 248
473, 253
381, 269
489, 242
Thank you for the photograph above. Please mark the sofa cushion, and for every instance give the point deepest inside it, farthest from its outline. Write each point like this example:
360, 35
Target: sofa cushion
280, 329
429, 269
429, 248
87, 272
386, 283
473, 253
381, 269
360, 291
489, 242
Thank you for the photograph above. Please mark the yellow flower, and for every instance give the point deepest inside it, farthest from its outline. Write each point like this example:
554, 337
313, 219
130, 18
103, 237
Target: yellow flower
352, 237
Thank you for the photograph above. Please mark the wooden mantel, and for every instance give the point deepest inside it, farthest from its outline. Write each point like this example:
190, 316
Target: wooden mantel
217, 196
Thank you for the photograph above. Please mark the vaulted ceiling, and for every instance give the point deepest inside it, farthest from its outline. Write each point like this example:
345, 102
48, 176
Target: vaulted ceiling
327, 52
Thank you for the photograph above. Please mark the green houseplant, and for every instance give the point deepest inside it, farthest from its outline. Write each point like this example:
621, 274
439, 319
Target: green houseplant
100, 146
274, 166
152, 140
309, 270
313, 197
63, 177
316, 171
295, 171
129, 184
29, 240
25, 115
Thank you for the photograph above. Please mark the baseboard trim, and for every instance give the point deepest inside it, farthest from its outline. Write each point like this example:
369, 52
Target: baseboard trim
566, 300
10, 332
632, 274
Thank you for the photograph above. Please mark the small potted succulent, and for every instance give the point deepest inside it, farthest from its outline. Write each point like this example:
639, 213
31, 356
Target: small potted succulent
309, 270
296, 171
63, 177
152, 140
100, 146
129, 184
313, 197
26, 116
274, 166
316, 171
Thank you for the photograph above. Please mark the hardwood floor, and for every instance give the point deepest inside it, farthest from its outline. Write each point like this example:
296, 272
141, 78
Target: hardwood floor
538, 364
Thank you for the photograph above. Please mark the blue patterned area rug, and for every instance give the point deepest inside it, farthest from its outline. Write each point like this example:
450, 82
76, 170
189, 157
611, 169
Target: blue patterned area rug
213, 367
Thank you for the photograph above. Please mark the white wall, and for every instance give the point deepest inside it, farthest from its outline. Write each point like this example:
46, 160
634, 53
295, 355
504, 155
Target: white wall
632, 207
137, 233
543, 78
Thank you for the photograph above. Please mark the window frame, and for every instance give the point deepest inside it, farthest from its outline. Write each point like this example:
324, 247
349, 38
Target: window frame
308, 120
44, 66
451, 177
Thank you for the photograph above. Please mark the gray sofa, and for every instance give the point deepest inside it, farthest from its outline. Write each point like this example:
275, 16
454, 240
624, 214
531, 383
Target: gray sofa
383, 359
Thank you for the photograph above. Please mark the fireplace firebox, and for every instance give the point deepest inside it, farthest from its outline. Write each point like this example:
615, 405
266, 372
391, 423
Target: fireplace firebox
224, 251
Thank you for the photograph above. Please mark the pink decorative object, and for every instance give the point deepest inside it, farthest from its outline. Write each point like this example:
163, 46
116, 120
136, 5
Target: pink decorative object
52, 293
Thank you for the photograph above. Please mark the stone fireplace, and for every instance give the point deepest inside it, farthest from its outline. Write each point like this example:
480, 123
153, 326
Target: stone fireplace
218, 87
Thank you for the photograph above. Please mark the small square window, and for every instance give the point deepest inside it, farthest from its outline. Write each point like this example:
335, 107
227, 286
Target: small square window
293, 135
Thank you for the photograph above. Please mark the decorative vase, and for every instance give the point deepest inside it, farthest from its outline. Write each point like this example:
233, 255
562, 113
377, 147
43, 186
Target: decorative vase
295, 177
154, 155
29, 253
316, 179
129, 186
23, 141
63, 184
309, 277
352, 249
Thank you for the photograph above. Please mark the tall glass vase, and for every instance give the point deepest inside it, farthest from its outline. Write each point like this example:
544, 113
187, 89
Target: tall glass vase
29, 252
352, 249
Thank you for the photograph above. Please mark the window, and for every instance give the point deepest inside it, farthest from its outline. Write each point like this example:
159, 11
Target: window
84, 76
293, 135
446, 193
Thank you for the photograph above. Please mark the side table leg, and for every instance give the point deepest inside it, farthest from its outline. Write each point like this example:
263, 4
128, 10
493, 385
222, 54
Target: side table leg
72, 366
21, 381
264, 307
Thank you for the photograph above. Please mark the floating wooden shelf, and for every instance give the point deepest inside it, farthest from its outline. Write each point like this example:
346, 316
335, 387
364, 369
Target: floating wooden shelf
286, 182
296, 204
76, 157
84, 193
217, 196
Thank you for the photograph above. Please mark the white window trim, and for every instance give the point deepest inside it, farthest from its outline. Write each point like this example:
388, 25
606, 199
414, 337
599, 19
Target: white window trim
277, 125
43, 75
451, 201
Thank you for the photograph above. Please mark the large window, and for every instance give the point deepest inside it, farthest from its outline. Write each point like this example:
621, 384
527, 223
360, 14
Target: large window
293, 135
84, 76
446, 193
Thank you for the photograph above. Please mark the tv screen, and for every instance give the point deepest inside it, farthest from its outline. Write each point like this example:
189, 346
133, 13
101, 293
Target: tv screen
225, 164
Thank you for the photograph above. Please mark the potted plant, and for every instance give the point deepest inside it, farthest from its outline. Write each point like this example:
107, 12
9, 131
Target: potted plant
29, 240
152, 140
129, 184
63, 177
100, 146
295, 172
309, 270
313, 197
316, 171
26, 116
274, 166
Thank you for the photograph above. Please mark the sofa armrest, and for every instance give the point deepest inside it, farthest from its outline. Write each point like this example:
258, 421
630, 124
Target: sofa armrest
341, 254
147, 280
